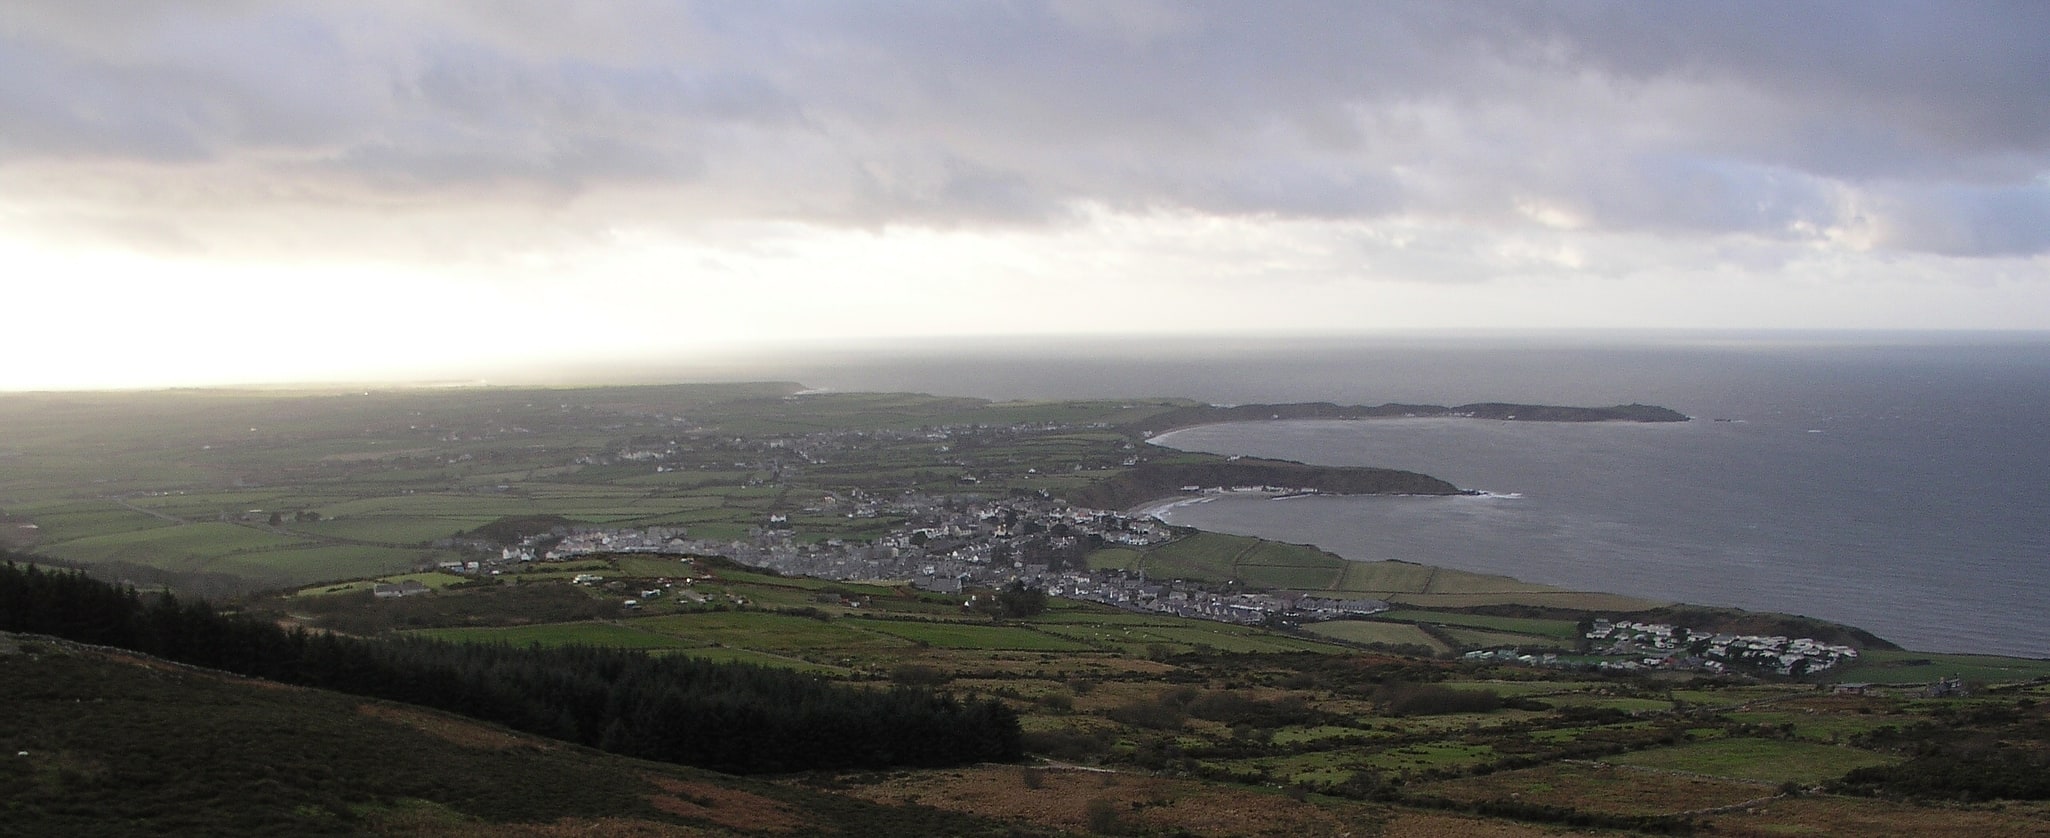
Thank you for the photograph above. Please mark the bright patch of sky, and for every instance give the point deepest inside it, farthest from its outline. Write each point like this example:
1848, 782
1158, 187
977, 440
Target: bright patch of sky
222, 192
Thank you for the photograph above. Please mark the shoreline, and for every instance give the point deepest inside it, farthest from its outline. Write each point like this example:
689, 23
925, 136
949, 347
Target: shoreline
1160, 507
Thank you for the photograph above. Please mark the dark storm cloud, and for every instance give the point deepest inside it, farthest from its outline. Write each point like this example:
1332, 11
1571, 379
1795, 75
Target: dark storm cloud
1924, 125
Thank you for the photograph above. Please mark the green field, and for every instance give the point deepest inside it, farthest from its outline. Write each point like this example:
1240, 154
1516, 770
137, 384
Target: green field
623, 636
1206, 556
1386, 577
1370, 632
64, 522
1815, 726
1215, 557
1763, 760
970, 636
1900, 667
185, 546
433, 580
302, 565
1479, 639
835, 641
1564, 630
391, 529
1145, 634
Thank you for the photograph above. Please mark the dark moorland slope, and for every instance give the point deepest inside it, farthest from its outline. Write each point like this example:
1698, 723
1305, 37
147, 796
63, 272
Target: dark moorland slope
108, 743
727, 716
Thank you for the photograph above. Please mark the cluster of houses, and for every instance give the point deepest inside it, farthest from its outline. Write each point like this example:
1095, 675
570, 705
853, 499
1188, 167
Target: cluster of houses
1631, 646
571, 543
1638, 645
403, 587
1182, 599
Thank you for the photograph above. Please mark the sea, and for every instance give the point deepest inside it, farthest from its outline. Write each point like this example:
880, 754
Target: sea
1898, 482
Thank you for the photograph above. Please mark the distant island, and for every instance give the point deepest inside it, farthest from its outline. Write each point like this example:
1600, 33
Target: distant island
1503, 411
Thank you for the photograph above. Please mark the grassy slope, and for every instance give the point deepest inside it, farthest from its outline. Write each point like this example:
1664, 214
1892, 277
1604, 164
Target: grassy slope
1073, 672
1217, 558
105, 744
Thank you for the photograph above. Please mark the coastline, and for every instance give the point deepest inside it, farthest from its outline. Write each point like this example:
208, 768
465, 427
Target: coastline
1163, 507
1621, 510
1508, 596
1160, 507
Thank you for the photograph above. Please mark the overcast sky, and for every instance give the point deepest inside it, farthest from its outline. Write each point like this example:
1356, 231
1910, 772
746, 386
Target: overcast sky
224, 191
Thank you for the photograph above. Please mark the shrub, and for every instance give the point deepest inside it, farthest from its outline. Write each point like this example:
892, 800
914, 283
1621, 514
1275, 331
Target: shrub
1102, 817
1148, 714
919, 675
1432, 700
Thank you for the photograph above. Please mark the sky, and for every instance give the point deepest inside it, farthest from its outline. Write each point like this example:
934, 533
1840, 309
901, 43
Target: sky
232, 191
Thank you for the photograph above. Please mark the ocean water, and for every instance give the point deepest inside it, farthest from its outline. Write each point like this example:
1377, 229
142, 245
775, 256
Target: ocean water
1897, 482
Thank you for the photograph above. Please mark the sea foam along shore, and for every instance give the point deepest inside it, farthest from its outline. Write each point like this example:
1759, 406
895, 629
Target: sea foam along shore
1158, 508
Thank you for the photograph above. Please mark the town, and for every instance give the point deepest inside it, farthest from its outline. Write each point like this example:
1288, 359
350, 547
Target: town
954, 545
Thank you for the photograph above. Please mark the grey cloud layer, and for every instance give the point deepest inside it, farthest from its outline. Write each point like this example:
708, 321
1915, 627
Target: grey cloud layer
1897, 126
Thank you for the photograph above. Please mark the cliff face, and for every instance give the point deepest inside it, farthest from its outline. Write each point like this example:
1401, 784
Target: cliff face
1206, 414
1155, 480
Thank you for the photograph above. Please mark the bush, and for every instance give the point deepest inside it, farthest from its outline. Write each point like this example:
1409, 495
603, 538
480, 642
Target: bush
919, 675
1434, 700
1069, 745
1149, 714
1239, 709
1102, 817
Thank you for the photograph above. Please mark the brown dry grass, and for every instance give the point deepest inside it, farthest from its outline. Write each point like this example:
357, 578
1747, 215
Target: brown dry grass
450, 729
1606, 789
1439, 825
723, 806
1152, 803
565, 828
1826, 815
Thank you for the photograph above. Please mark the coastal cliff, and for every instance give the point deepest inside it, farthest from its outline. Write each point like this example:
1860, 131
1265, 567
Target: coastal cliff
1155, 480
1503, 411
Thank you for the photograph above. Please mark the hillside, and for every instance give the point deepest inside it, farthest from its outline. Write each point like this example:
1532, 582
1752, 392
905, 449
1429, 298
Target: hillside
571, 562
108, 743
1134, 723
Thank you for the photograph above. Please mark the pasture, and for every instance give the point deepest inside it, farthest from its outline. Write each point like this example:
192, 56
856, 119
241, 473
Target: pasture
616, 635
1564, 630
1761, 760
958, 635
1603, 788
1885, 666
1369, 632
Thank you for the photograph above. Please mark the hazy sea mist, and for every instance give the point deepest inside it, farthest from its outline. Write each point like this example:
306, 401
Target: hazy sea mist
1899, 482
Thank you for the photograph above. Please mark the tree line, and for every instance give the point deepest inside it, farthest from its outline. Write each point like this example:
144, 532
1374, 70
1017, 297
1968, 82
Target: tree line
733, 717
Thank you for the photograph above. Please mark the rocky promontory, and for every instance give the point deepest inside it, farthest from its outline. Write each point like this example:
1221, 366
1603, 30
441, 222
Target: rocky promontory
1149, 481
